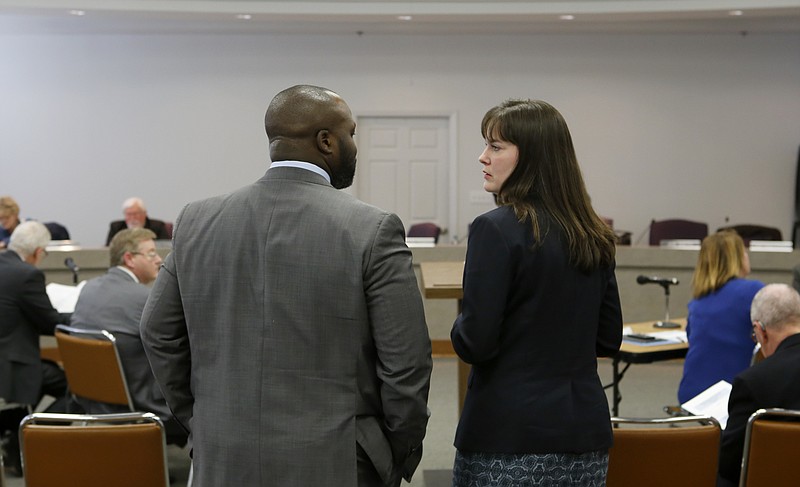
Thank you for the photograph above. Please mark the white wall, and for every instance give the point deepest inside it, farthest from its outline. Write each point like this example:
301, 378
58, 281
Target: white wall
702, 127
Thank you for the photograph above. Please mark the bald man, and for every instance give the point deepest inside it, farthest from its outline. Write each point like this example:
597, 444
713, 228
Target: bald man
286, 327
773, 382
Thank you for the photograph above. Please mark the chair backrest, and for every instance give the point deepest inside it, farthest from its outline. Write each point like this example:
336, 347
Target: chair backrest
424, 230
57, 231
770, 449
92, 365
169, 226
655, 454
676, 229
754, 232
123, 450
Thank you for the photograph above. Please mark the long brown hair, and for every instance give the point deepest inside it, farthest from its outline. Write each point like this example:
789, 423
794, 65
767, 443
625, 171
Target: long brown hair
721, 259
548, 178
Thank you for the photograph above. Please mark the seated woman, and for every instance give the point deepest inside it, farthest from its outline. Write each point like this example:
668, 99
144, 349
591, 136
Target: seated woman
718, 326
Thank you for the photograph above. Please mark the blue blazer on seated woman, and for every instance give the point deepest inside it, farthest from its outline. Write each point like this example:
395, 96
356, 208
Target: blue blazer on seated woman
718, 325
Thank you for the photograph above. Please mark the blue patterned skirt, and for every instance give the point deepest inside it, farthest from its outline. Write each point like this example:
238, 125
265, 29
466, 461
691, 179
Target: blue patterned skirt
530, 470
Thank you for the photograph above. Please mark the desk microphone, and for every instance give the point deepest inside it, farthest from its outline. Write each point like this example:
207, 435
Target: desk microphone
664, 281
73, 267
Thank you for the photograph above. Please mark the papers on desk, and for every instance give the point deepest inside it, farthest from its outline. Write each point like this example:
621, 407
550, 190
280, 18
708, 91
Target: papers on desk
659, 337
711, 402
64, 297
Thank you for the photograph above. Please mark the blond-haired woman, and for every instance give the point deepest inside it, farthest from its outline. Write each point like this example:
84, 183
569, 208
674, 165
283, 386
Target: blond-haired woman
718, 327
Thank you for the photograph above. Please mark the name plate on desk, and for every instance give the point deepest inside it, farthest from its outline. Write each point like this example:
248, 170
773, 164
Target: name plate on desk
771, 246
62, 246
421, 241
681, 244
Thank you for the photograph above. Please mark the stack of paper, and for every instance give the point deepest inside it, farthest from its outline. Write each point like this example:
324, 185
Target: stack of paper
64, 297
660, 337
711, 402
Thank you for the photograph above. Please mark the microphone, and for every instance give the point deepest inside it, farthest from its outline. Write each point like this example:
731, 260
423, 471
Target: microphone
664, 281
73, 267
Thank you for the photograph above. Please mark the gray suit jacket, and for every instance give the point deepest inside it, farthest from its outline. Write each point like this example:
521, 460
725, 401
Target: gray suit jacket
285, 328
114, 302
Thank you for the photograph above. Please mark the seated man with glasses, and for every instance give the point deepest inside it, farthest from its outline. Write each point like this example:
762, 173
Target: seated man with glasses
114, 302
771, 383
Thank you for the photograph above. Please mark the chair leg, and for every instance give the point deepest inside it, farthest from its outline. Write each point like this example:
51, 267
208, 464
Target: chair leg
9, 432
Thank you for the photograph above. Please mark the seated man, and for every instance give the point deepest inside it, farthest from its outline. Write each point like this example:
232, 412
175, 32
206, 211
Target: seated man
114, 302
9, 219
771, 383
136, 217
26, 313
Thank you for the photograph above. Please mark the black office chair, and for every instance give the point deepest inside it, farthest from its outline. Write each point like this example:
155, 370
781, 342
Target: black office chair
57, 231
425, 230
676, 229
750, 232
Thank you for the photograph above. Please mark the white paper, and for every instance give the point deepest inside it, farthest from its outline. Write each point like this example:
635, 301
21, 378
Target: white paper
64, 297
711, 402
661, 337
672, 336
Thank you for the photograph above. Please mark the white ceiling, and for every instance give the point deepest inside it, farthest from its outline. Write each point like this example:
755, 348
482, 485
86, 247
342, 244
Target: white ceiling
382, 16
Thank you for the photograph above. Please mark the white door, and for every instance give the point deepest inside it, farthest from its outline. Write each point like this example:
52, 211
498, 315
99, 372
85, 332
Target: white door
404, 167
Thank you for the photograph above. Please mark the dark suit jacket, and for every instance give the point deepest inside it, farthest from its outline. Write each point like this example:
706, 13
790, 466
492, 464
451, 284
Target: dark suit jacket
157, 226
286, 328
772, 383
532, 326
25, 313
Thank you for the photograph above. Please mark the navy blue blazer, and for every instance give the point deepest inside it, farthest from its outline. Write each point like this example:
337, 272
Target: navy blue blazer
532, 326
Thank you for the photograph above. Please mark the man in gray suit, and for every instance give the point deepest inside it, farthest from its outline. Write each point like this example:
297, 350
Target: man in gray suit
114, 302
286, 327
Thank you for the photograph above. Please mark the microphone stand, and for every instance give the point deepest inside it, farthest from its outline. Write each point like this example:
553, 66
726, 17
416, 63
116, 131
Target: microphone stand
666, 323
72, 267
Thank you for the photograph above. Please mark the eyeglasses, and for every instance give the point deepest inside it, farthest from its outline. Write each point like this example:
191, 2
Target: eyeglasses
152, 254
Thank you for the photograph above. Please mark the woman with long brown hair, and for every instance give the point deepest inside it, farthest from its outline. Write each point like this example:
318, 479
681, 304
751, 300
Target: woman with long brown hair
540, 305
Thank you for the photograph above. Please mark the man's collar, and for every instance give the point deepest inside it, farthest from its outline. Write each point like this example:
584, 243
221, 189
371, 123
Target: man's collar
128, 271
302, 165
15, 253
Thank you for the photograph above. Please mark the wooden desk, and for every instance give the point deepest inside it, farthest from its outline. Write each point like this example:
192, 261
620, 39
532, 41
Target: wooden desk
442, 280
638, 354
